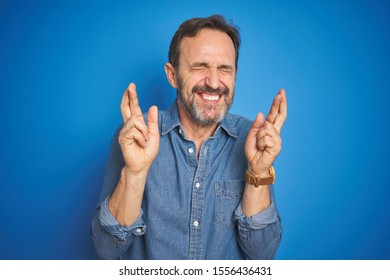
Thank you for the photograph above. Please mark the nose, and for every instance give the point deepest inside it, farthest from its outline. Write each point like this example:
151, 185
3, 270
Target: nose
212, 78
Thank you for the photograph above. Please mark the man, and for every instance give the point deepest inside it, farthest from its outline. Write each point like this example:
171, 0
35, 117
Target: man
192, 182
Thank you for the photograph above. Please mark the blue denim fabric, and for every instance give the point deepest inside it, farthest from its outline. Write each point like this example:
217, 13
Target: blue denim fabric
192, 206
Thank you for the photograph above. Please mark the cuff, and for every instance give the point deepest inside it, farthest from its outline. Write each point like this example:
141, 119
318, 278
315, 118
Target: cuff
258, 221
111, 225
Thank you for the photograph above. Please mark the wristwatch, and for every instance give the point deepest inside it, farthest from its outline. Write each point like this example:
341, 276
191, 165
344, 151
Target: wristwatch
252, 179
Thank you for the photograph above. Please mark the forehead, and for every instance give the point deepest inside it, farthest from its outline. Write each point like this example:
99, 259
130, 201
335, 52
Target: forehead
208, 45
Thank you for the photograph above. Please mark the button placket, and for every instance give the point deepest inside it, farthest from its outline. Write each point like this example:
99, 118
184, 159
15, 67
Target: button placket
197, 202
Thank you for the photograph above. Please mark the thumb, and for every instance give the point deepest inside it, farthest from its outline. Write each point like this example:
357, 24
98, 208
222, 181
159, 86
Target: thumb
153, 120
256, 125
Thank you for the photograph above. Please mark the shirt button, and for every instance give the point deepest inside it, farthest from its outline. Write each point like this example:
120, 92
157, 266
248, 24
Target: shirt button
190, 150
196, 224
197, 185
180, 131
138, 230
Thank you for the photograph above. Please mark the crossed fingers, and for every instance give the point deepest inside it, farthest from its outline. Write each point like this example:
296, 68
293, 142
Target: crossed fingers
268, 137
134, 124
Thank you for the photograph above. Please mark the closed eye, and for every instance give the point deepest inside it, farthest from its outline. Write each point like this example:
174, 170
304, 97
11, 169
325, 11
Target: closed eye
225, 68
200, 66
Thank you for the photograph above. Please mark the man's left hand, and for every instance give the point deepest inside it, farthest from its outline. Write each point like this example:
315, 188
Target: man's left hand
263, 143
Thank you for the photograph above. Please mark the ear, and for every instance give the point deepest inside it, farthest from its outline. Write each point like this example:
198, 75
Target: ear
171, 74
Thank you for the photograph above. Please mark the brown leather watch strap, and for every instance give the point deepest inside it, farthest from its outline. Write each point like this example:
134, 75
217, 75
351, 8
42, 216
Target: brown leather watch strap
252, 179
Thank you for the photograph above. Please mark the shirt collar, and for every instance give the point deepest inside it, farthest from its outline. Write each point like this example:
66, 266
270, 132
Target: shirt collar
170, 119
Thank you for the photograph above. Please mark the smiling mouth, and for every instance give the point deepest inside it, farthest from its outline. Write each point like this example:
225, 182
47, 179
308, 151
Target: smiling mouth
209, 97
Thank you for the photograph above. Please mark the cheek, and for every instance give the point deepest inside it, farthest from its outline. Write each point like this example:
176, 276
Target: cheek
191, 81
229, 83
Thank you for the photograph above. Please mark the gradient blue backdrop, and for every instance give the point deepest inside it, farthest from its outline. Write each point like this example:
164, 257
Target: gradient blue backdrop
64, 66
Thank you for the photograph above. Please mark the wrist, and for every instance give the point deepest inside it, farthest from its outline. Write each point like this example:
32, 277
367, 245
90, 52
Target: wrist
133, 182
261, 178
127, 172
259, 173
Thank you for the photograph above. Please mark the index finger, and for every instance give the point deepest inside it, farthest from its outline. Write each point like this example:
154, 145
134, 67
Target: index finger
135, 109
282, 114
278, 112
125, 106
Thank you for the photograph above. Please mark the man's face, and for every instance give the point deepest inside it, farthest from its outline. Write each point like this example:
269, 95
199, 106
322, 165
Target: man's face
206, 76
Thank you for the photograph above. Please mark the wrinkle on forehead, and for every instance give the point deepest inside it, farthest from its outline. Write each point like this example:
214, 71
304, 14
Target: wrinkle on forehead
209, 46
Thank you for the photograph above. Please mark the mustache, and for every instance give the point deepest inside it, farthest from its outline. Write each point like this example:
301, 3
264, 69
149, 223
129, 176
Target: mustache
207, 89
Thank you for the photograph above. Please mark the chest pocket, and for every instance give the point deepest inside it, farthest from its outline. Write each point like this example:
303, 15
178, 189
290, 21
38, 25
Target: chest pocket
228, 195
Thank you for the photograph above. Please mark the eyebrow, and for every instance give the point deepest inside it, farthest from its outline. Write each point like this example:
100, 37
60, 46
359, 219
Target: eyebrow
226, 67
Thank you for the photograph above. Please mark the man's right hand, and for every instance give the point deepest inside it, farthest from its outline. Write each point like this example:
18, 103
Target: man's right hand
139, 142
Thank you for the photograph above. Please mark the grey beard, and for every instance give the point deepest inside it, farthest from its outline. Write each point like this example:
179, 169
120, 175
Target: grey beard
197, 115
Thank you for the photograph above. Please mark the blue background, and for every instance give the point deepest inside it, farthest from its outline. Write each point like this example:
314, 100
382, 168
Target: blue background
64, 66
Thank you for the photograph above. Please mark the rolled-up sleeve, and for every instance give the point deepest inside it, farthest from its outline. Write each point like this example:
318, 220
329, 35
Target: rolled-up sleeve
111, 225
111, 240
259, 235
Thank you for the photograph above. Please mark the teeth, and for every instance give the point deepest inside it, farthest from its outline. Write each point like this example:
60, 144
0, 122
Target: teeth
210, 97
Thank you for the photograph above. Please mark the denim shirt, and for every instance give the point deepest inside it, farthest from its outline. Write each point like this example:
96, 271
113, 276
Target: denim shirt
191, 207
